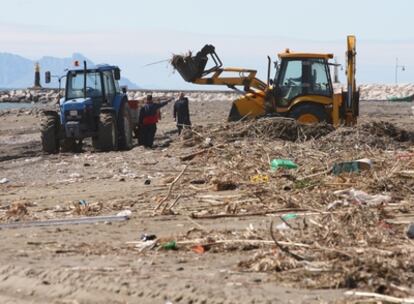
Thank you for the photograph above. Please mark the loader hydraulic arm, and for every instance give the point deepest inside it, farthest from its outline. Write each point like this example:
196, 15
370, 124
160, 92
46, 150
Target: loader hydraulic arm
246, 78
194, 69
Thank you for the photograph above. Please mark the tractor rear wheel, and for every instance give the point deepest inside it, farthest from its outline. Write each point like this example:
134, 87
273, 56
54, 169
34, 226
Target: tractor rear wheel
107, 138
49, 130
125, 128
309, 113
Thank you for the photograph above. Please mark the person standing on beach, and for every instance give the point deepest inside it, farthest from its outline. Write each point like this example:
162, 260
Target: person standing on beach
182, 113
148, 118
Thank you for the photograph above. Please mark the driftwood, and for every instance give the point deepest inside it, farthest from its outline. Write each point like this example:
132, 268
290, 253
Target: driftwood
169, 208
284, 249
355, 246
215, 216
170, 189
192, 155
379, 297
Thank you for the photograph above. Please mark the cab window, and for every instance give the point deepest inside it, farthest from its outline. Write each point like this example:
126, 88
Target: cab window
290, 81
109, 85
303, 77
320, 84
76, 83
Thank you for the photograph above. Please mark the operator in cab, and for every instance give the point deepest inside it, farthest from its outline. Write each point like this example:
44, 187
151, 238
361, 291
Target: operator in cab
148, 119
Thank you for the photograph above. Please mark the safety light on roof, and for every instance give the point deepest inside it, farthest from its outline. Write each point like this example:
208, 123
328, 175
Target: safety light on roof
76, 63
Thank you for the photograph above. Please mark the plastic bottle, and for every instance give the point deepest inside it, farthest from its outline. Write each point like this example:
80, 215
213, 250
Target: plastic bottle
169, 246
283, 163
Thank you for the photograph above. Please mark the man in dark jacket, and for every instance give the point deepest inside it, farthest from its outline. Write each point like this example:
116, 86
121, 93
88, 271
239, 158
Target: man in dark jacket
148, 118
182, 113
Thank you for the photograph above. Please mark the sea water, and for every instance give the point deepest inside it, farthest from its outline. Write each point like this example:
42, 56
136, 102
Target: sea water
14, 105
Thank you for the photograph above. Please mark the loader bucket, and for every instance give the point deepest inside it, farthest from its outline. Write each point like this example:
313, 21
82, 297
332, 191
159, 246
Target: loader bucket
193, 67
190, 68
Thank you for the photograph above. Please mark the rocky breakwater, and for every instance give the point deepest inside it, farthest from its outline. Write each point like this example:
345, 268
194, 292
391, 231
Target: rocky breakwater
381, 92
193, 96
376, 92
386, 91
51, 95
29, 95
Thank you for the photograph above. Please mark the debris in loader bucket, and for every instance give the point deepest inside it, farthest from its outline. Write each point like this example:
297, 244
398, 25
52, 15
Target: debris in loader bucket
193, 67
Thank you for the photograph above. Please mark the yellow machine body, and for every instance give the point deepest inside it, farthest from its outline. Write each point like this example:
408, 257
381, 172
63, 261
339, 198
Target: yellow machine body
309, 98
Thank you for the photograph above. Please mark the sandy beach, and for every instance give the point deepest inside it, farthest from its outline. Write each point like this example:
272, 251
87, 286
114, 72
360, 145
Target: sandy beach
109, 263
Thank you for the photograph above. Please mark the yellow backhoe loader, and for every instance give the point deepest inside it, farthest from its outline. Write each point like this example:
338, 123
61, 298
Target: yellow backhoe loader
301, 89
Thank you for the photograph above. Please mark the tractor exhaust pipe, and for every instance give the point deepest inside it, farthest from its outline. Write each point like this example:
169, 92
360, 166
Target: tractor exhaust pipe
269, 63
84, 78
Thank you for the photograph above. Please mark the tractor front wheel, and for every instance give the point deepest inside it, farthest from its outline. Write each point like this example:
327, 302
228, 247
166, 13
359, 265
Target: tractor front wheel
49, 130
107, 138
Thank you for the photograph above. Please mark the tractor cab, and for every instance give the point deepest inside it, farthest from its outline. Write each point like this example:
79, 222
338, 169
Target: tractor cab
99, 83
90, 89
302, 74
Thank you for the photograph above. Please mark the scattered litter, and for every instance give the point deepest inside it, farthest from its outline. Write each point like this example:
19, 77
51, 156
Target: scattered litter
405, 156
224, 185
198, 249
145, 245
169, 246
352, 166
289, 216
198, 181
358, 197
282, 226
68, 221
75, 175
148, 237
125, 213
83, 203
207, 143
4, 180
410, 231
259, 178
17, 209
282, 163
84, 208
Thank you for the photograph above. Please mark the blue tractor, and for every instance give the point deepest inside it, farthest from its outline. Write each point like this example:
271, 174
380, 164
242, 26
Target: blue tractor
93, 107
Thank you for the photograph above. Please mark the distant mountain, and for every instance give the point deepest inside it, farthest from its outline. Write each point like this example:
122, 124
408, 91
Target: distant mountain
18, 72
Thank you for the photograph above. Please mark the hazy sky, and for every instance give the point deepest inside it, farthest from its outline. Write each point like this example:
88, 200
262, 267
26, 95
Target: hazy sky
133, 33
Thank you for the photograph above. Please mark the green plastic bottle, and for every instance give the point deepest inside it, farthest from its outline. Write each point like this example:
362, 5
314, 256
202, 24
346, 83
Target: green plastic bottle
169, 246
282, 163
